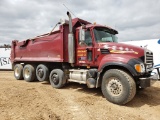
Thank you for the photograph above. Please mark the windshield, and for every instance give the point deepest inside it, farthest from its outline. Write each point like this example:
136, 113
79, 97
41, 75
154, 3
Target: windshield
104, 35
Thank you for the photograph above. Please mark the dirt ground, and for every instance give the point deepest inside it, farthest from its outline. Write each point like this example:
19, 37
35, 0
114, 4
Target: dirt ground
20, 100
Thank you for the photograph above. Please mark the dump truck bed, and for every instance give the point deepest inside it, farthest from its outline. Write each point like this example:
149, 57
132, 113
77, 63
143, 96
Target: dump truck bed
47, 47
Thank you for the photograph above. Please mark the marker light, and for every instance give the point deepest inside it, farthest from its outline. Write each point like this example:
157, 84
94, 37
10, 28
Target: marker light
140, 68
94, 23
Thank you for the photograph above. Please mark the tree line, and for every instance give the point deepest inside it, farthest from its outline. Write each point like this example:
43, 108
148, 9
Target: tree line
5, 46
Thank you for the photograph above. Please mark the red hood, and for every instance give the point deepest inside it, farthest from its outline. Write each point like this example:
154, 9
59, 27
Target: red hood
121, 48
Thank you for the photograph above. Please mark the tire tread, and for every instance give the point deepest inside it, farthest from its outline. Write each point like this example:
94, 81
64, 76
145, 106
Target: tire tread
131, 82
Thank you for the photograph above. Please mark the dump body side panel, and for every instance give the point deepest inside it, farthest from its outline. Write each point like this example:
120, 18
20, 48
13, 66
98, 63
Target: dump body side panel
48, 48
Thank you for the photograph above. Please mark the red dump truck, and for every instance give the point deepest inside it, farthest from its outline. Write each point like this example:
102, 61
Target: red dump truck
87, 54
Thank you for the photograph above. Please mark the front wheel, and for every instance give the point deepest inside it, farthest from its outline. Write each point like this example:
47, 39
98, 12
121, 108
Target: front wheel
118, 86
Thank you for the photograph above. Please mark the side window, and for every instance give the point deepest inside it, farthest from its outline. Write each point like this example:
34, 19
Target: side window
88, 39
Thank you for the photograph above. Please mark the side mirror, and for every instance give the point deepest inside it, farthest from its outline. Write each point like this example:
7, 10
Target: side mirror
82, 35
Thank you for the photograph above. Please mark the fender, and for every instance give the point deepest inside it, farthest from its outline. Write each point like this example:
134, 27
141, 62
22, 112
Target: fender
120, 60
129, 66
121, 64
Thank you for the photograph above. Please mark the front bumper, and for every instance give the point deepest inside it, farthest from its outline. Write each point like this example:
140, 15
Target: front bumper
145, 82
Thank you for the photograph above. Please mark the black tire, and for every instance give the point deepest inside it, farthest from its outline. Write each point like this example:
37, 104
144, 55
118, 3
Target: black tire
29, 74
18, 71
42, 72
118, 87
57, 78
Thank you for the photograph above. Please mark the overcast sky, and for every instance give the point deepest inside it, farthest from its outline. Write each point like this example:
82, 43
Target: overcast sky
134, 19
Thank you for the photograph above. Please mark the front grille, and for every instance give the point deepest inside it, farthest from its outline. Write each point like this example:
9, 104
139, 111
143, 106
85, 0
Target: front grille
148, 60
104, 51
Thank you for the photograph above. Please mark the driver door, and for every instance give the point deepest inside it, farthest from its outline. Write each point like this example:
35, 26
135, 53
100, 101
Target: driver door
85, 50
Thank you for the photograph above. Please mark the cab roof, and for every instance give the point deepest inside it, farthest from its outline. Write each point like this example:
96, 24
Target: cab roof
77, 23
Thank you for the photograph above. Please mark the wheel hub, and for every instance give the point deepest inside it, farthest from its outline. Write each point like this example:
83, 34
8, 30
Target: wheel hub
40, 73
27, 74
17, 72
115, 86
55, 79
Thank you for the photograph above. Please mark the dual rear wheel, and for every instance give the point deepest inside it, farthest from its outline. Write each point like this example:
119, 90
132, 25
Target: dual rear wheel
27, 72
41, 72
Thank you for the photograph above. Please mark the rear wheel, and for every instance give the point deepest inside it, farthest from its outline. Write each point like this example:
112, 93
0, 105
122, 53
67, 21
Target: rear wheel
118, 87
57, 78
18, 71
42, 72
29, 73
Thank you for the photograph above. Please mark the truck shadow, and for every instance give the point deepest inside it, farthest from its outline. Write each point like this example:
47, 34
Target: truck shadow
149, 96
80, 88
83, 88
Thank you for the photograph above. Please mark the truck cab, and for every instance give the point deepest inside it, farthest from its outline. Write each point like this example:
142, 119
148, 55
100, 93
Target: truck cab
97, 46
97, 49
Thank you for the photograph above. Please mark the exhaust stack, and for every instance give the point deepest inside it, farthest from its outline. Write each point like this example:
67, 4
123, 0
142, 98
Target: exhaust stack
70, 22
71, 42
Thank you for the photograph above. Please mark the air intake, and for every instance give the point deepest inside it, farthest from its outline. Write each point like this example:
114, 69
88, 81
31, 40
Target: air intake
104, 51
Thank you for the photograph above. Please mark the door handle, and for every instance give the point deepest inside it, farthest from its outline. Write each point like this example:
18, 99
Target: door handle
88, 49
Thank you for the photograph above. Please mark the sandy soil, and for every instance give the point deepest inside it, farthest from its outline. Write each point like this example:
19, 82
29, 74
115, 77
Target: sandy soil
20, 100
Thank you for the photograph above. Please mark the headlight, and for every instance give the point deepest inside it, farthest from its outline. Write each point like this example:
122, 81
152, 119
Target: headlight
140, 68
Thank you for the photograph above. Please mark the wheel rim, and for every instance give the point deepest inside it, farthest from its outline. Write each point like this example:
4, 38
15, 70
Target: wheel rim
114, 86
40, 73
55, 79
26, 73
17, 72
